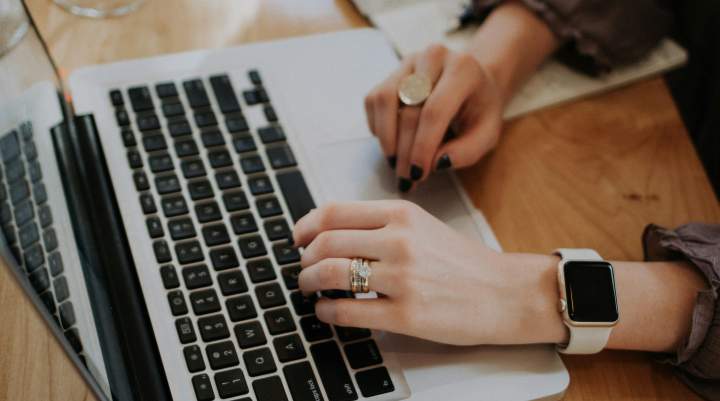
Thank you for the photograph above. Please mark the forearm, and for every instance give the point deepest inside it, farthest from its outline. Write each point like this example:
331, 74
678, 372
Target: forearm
655, 300
512, 43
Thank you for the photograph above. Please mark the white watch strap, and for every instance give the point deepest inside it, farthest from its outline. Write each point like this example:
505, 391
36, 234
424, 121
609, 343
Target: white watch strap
583, 340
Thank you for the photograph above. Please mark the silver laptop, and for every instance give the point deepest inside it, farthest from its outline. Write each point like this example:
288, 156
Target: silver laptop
148, 219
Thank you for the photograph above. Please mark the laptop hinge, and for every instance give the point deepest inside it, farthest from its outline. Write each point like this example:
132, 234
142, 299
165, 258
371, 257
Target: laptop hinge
106, 253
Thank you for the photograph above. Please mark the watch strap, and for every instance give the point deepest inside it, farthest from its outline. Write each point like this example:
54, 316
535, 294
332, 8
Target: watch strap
585, 340
578, 254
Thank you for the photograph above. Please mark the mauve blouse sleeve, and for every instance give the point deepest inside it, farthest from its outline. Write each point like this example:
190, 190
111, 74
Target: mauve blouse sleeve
697, 360
600, 33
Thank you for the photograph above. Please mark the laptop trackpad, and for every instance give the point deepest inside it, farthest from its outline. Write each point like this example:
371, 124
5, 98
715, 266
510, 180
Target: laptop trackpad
357, 170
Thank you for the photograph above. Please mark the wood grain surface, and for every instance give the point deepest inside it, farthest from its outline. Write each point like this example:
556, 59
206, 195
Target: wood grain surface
591, 173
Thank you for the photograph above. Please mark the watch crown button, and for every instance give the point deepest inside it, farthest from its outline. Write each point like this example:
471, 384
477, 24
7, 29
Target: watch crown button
562, 305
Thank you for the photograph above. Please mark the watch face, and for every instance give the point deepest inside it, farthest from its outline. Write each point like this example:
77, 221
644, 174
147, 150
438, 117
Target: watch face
590, 290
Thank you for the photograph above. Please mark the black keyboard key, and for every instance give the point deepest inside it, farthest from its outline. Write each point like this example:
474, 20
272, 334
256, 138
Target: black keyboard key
166, 89
213, 328
23, 213
224, 93
40, 280
195, 91
19, 191
231, 383
67, 315
55, 263
189, 252
141, 181
167, 184
244, 143
6, 214
363, 354
174, 206
332, 370
28, 234
204, 302
250, 334
302, 382
236, 124
281, 157
277, 229
261, 270
268, 207
140, 98
260, 185
212, 138
314, 329
154, 142
259, 362
289, 348
208, 212
296, 193
148, 123
122, 118
203, 388
269, 389
177, 303
271, 133
285, 253
290, 276
252, 164
73, 338
215, 234
374, 382
243, 223
128, 138
303, 305
61, 289
351, 333
169, 277
270, 113
205, 118
10, 146
179, 128
182, 228
235, 200
227, 179
116, 98
162, 251
155, 228
254, 76
194, 358
196, 276
232, 283
160, 163
193, 168
252, 247
134, 159
201, 189
34, 171
220, 158
34, 257
222, 355
147, 203
45, 216
173, 109
251, 97
50, 240
40, 193
279, 321
186, 147
15, 170
269, 295
224, 258
30, 151
241, 308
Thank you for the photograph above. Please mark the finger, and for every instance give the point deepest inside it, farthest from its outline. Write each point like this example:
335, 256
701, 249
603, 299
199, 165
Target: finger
365, 215
368, 313
466, 149
385, 108
438, 111
430, 62
334, 274
406, 132
344, 244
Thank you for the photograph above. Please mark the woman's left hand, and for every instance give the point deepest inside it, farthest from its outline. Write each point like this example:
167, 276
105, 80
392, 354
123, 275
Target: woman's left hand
432, 282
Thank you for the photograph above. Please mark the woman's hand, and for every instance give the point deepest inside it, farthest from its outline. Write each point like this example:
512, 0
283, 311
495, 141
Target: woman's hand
432, 282
465, 98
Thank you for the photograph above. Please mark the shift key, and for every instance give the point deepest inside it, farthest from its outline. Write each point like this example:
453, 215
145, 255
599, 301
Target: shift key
333, 372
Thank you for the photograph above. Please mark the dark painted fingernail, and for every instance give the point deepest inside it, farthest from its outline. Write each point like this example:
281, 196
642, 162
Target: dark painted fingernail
404, 184
416, 172
443, 163
392, 161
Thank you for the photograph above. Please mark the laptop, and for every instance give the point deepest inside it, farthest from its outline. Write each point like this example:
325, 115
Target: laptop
146, 207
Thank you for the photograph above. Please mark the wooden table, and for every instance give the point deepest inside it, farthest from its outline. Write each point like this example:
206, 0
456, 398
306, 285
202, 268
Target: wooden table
591, 173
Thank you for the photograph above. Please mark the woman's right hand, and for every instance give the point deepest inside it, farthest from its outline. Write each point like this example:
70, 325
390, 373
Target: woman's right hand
465, 98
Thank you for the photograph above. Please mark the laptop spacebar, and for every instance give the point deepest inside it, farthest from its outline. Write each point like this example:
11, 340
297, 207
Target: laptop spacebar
296, 193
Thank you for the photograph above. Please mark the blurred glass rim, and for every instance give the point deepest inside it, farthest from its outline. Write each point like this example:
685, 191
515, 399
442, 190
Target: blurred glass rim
99, 8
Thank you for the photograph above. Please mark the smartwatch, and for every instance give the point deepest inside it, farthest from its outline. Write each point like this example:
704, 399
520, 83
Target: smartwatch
588, 301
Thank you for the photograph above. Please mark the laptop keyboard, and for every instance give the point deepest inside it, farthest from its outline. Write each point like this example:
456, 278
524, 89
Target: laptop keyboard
220, 237
27, 223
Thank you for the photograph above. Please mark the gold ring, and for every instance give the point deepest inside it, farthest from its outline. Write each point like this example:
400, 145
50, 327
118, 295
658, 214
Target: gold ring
360, 275
414, 89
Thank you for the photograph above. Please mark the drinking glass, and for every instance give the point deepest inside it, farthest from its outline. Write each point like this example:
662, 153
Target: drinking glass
99, 8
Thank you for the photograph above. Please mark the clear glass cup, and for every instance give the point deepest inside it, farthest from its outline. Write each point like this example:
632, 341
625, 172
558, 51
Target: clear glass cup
13, 24
99, 8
